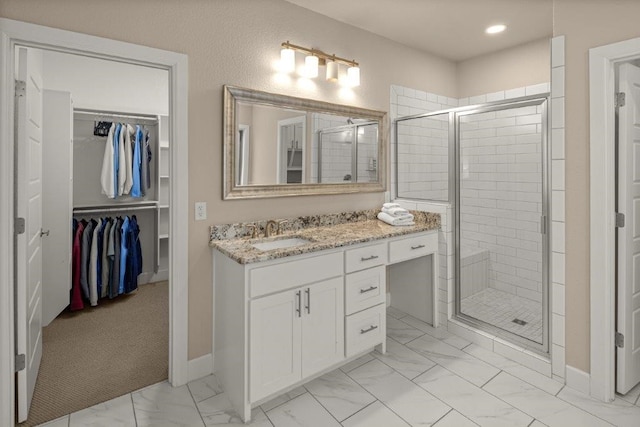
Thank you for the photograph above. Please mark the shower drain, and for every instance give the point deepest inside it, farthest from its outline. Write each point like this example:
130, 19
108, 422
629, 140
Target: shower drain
519, 322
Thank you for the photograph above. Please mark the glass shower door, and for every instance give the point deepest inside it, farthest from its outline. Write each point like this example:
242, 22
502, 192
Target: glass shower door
501, 238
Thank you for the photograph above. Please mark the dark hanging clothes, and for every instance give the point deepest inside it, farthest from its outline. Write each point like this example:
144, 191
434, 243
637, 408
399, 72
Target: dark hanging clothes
149, 155
134, 256
117, 255
76, 293
87, 238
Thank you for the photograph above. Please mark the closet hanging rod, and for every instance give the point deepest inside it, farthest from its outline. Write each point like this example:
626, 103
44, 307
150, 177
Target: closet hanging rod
106, 209
113, 114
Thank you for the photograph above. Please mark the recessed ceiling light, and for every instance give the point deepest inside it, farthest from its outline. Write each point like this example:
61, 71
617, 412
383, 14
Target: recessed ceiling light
494, 29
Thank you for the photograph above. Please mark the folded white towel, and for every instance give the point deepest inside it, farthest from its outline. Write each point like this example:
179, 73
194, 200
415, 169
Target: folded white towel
394, 221
397, 212
390, 205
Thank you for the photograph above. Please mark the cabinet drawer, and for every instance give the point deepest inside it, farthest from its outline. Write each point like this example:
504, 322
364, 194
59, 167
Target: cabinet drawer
412, 247
365, 257
365, 329
288, 274
365, 289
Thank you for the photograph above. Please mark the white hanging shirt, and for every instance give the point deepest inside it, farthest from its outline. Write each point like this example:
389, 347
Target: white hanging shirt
107, 179
128, 159
122, 169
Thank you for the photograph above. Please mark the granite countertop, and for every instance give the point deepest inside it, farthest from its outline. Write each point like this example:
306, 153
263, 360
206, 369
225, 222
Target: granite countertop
324, 237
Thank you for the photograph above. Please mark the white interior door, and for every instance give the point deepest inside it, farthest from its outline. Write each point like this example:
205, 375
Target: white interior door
29, 206
628, 301
57, 201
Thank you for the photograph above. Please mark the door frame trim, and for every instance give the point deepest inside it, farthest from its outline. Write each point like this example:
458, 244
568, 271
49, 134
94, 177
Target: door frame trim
602, 61
14, 33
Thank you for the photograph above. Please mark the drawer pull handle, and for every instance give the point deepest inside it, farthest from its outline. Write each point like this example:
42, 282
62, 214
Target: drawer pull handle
364, 291
369, 258
369, 329
417, 247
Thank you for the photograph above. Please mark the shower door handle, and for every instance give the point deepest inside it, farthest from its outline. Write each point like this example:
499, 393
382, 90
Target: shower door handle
543, 224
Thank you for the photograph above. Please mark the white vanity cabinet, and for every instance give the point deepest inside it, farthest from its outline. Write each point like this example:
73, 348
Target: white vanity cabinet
284, 321
295, 334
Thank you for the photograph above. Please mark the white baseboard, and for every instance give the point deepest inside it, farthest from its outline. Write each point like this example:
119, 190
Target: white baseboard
578, 380
200, 367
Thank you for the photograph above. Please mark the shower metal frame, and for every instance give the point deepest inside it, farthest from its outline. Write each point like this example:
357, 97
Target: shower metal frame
453, 200
538, 100
353, 127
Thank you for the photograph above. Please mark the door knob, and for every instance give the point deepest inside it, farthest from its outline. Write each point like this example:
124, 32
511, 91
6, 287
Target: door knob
44, 233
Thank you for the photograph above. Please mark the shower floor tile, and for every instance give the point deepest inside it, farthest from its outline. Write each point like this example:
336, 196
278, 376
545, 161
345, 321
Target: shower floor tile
500, 308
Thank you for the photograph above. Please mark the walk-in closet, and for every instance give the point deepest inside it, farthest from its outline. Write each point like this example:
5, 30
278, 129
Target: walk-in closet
104, 203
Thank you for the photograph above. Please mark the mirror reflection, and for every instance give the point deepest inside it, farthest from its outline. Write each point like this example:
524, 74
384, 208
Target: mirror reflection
285, 146
280, 145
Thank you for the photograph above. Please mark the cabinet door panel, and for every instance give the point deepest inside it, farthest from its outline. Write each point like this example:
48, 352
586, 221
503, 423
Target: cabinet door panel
322, 325
275, 343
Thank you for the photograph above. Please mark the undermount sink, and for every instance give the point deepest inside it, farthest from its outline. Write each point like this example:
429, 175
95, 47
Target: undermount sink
290, 242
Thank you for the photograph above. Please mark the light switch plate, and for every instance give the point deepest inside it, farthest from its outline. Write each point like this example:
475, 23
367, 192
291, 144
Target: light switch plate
201, 211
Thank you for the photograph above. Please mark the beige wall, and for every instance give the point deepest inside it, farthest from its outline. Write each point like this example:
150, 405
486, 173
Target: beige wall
585, 24
524, 65
237, 42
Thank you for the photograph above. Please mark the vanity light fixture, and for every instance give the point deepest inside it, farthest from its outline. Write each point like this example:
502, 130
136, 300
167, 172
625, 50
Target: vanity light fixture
315, 58
495, 29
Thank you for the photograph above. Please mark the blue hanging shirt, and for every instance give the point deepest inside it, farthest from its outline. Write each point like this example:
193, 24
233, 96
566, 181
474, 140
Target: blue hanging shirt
137, 163
124, 248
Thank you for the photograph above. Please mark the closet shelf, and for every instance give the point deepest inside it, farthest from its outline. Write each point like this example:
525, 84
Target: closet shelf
163, 206
164, 176
163, 236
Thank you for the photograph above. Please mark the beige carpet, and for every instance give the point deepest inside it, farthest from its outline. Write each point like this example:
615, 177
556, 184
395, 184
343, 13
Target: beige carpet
102, 352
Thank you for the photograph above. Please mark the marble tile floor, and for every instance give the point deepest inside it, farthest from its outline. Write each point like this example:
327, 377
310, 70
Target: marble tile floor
499, 308
428, 377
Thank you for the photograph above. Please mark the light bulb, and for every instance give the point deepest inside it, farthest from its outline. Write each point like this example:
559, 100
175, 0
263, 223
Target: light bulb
353, 76
311, 66
287, 60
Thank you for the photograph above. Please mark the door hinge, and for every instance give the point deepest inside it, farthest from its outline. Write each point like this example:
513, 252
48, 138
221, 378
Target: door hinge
619, 220
21, 88
619, 340
21, 362
621, 99
19, 226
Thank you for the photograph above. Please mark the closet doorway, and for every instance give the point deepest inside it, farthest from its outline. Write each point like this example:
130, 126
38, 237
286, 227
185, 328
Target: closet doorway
103, 206
173, 66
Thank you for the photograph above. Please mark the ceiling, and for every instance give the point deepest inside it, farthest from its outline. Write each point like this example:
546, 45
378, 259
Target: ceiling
453, 29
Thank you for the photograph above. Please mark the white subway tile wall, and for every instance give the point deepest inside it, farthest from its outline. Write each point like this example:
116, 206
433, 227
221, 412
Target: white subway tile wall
501, 200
